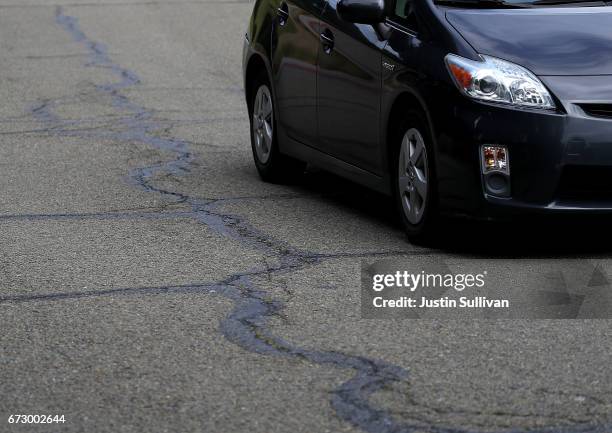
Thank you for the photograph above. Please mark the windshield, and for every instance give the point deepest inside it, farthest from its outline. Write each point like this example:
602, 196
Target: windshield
518, 4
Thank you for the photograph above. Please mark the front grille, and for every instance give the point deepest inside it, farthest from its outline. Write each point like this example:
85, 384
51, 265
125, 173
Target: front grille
586, 183
597, 110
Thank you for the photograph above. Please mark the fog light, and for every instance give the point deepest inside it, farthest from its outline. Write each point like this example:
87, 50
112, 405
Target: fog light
495, 159
496, 170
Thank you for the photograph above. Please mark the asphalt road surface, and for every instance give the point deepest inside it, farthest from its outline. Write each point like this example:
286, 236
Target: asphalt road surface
149, 281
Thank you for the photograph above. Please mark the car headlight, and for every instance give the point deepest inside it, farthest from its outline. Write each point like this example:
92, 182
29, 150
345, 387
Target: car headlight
495, 80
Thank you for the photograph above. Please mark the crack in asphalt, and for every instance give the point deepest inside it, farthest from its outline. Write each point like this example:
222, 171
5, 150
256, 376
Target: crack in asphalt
214, 287
16, 299
247, 324
121, 215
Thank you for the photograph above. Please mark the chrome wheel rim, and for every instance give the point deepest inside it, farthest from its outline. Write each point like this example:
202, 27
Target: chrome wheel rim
263, 124
413, 176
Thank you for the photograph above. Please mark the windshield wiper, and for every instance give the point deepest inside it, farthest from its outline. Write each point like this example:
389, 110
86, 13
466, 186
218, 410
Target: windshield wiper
484, 4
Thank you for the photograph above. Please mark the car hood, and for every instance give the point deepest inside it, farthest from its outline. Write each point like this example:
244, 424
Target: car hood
548, 41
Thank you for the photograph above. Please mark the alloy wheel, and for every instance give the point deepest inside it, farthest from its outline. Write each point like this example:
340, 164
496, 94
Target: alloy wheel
413, 175
263, 123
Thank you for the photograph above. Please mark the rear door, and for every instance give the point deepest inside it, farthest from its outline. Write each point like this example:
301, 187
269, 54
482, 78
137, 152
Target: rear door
295, 49
349, 90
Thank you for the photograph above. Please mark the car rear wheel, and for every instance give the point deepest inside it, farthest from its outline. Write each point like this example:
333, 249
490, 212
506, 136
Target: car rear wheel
271, 164
414, 178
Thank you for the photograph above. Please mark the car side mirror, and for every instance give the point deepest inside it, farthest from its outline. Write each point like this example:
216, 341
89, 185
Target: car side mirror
362, 11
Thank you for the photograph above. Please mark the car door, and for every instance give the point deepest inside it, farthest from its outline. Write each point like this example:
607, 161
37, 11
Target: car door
295, 49
349, 90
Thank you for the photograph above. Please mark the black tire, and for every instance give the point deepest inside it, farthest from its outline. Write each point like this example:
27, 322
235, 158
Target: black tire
272, 165
420, 225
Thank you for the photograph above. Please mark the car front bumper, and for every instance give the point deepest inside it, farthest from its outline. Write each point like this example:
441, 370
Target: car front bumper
560, 162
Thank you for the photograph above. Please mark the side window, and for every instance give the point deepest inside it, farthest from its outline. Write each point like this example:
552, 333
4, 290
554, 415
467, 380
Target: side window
403, 11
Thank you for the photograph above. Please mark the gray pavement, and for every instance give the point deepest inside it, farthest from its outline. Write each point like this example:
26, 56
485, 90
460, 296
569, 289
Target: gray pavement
149, 281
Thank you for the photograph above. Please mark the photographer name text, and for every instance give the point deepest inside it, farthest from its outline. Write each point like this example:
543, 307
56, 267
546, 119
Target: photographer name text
446, 302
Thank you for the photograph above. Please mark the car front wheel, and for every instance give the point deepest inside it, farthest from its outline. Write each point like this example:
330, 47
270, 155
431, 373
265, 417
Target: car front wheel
414, 178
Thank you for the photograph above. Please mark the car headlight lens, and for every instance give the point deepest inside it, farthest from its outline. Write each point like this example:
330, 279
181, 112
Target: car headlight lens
495, 80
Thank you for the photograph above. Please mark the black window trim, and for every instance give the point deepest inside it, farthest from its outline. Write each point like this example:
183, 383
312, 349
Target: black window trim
393, 23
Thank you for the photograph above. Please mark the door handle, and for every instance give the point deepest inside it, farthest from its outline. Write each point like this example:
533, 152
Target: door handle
283, 13
328, 41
